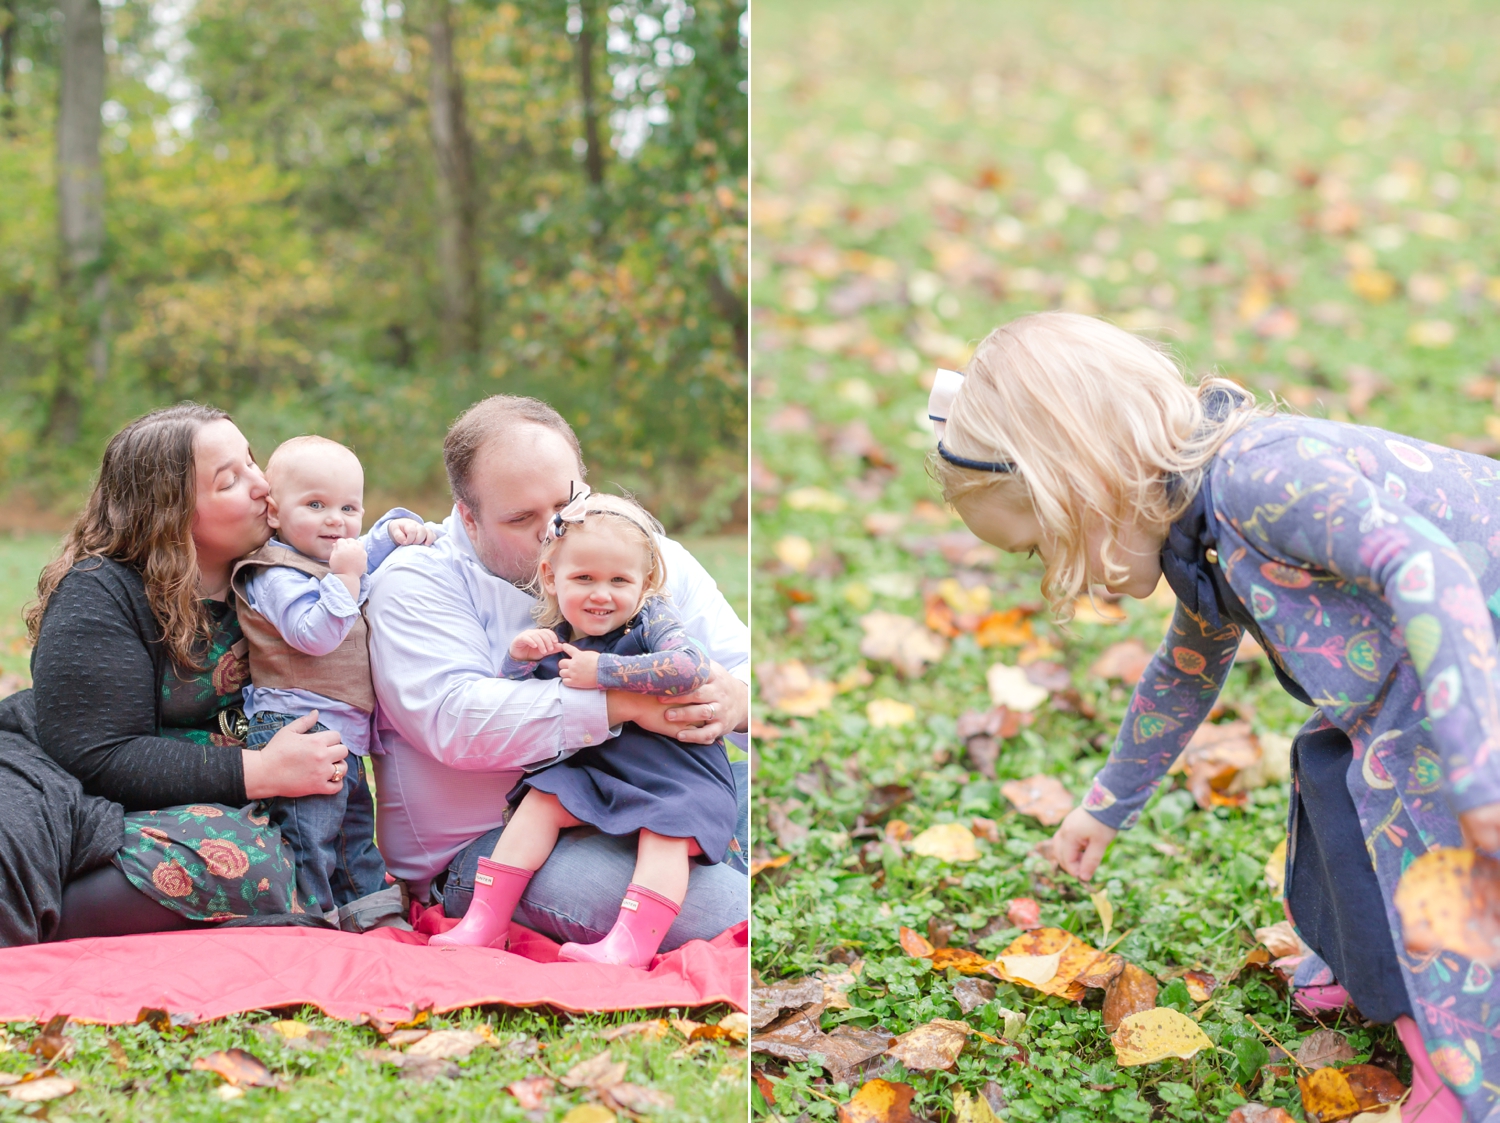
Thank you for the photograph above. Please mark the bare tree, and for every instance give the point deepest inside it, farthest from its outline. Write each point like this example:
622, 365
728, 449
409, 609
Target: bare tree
457, 200
593, 160
80, 214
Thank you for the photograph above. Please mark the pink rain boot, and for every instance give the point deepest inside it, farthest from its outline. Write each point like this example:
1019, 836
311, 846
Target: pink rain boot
644, 919
497, 891
1431, 1101
1323, 999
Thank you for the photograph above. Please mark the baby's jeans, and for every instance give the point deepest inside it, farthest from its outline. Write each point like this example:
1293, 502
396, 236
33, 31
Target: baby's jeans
332, 836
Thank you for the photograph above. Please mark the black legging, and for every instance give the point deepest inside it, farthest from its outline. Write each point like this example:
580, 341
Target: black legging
103, 903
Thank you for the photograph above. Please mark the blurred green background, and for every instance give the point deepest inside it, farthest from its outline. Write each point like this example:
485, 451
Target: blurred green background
356, 217
1301, 197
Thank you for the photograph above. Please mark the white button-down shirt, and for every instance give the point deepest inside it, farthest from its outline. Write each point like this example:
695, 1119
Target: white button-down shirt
454, 736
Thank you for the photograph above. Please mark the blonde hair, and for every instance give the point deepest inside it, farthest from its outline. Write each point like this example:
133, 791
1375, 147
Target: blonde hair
604, 514
1096, 422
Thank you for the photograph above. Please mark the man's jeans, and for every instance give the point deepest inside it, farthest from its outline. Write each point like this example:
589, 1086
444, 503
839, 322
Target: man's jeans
332, 836
576, 895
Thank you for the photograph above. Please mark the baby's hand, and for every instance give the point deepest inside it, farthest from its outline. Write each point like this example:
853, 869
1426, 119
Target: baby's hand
534, 644
348, 558
580, 669
1481, 827
1080, 842
410, 532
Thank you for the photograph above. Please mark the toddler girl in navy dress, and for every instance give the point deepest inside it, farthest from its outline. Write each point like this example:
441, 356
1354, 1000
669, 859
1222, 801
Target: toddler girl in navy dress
605, 624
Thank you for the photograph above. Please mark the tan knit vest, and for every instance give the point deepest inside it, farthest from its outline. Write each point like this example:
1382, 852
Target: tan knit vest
343, 674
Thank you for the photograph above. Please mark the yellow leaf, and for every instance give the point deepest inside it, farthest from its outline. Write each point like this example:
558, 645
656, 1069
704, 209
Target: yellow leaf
589, 1113
1009, 687
815, 499
794, 552
1105, 910
1154, 1035
948, 842
1276, 867
1432, 334
1034, 970
887, 713
291, 1029
972, 1109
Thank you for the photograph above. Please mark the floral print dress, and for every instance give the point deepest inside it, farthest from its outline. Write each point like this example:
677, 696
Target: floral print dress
208, 861
1370, 564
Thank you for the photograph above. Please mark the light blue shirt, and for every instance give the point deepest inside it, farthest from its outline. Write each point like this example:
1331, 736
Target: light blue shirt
315, 617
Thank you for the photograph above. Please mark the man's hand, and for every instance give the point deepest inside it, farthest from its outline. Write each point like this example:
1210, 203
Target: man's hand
580, 669
721, 705
1079, 843
1481, 827
535, 644
348, 558
410, 532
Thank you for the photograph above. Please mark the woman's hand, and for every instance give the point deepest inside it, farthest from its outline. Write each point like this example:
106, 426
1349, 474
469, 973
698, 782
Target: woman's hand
296, 762
1481, 827
1079, 843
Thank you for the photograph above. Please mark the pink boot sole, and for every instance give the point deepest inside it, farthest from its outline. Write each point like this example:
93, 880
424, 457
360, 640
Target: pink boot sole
1431, 1101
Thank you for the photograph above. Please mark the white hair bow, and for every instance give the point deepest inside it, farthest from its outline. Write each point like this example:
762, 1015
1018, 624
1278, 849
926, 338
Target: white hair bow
577, 507
945, 387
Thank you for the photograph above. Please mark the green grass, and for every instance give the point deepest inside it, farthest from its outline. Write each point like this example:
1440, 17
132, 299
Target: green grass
158, 1082
924, 173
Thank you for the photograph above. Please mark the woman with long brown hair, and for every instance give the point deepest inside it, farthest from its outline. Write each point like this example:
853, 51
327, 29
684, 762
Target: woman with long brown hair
138, 668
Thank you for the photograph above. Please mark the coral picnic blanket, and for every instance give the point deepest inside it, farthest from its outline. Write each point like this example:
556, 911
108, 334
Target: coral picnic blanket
385, 975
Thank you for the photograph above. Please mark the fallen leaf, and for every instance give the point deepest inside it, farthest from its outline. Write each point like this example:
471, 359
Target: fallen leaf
237, 1067
1009, 687
879, 1102
1216, 760
117, 1055
934, 1046
1103, 971
1276, 867
1449, 900
814, 499
799, 1037
383, 1057
291, 1028
424, 1070
1106, 911
763, 1082
735, 1025
589, 1113
1042, 797
1009, 628
598, 1070
1281, 939
948, 842
1033, 970
1200, 985
1324, 1047
227, 1092
1091, 610
634, 1097
1259, 1113
906, 644
446, 1044
970, 994
1132, 991
915, 944
888, 713
1154, 1035
531, 1091
760, 865
1023, 912
1330, 1094
39, 1091
52, 1044
959, 959
987, 829
402, 1037
794, 552
1075, 958
972, 1109
790, 688
1125, 661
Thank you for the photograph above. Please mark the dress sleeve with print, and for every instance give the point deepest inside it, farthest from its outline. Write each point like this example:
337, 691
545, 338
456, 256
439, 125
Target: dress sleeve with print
673, 663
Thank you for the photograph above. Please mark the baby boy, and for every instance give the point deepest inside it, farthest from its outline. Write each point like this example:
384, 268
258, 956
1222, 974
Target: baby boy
300, 600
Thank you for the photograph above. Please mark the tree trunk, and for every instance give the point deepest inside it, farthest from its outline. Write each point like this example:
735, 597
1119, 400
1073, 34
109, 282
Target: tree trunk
457, 204
593, 160
8, 20
84, 284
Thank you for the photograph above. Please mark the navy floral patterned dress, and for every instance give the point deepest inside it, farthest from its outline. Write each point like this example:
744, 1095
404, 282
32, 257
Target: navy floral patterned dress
208, 861
1369, 564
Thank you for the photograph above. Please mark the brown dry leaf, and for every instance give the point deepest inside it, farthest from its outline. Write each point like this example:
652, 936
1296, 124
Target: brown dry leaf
915, 944
947, 842
760, 865
1216, 760
1259, 1113
1449, 900
117, 1055
906, 644
40, 1091
1010, 628
842, 1051
931, 1047
237, 1067
735, 1026
1009, 687
987, 829
403, 1037
1154, 1035
597, 1071
972, 1109
1104, 971
1324, 1047
1281, 939
879, 1102
1024, 913
589, 1113
1132, 991
1200, 985
970, 994
634, 1097
1125, 661
791, 688
383, 1057
959, 959
531, 1091
1331, 1094
1042, 797
446, 1044
1075, 958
